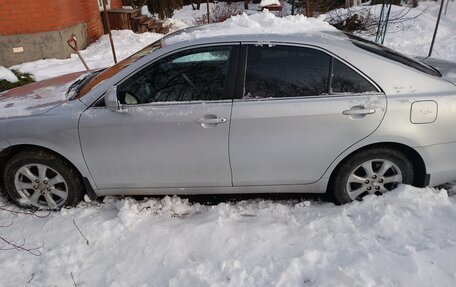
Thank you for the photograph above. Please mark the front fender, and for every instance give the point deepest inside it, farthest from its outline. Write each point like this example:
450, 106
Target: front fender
4, 144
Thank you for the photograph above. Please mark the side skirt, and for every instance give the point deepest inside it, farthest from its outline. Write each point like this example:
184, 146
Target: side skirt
318, 187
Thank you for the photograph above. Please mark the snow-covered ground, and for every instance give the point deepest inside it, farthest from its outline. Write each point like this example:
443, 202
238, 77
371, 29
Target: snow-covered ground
97, 55
413, 34
404, 238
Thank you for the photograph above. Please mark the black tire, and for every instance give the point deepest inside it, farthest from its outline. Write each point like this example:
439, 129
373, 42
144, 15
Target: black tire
338, 189
73, 185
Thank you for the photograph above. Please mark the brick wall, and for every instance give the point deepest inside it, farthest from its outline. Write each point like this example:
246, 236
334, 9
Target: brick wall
32, 16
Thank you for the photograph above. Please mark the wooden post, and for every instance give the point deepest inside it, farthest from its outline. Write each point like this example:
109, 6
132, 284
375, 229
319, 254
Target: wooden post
108, 26
208, 16
436, 27
309, 8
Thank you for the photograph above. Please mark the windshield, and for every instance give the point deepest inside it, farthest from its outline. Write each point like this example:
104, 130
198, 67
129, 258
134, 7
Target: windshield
392, 55
87, 86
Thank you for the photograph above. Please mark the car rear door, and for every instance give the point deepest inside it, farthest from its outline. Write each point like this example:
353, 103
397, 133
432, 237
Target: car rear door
290, 120
172, 130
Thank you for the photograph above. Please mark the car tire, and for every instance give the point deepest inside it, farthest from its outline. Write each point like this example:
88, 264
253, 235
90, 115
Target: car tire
372, 171
39, 179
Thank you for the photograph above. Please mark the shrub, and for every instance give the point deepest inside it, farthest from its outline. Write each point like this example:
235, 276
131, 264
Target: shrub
164, 8
24, 79
219, 13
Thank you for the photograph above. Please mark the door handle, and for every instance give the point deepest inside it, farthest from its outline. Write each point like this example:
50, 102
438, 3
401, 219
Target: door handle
210, 120
358, 111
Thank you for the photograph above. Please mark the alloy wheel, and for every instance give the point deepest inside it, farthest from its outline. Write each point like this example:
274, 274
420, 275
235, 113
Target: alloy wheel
41, 186
373, 177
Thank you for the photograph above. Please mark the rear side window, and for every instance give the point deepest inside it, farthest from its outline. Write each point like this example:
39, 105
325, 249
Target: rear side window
285, 71
345, 80
288, 71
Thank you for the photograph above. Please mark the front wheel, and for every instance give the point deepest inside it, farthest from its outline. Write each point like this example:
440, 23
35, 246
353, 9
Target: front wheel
42, 180
372, 171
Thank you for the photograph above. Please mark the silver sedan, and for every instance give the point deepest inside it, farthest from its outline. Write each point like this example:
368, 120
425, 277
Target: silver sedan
325, 112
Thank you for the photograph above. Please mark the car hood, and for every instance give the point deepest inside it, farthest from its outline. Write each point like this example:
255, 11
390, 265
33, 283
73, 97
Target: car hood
446, 68
37, 98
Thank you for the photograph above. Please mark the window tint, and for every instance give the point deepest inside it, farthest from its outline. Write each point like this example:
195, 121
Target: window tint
285, 71
196, 75
345, 80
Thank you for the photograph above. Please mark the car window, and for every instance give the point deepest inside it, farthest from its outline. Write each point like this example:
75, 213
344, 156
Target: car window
109, 72
346, 80
203, 57
285, 71
193, 75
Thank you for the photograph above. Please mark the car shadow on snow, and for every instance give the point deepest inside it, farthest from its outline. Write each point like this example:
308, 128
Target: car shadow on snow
214, 199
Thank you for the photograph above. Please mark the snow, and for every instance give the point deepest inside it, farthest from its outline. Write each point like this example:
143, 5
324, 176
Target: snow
404, 238
97, 55
265, 3
40, 100
258, 23
413, 36
414, 41
6, 74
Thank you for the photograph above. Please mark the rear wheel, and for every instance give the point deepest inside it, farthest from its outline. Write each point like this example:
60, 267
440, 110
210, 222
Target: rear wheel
372, 171
43, 180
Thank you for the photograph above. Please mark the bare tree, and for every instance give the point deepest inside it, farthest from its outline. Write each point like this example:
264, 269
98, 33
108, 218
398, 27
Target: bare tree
309, 8
137, 4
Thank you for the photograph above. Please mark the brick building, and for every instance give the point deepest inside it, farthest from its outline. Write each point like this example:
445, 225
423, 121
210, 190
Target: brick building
36, 29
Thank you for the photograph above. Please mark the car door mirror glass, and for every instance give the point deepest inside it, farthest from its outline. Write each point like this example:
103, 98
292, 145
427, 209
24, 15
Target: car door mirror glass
111, 99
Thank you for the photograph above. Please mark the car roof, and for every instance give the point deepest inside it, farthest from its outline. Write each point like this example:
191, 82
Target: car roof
204, 35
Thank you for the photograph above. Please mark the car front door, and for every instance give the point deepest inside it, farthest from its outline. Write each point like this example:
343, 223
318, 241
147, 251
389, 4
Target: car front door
172, 129
291, 119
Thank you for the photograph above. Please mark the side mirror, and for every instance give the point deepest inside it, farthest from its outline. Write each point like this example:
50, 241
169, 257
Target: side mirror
110, 99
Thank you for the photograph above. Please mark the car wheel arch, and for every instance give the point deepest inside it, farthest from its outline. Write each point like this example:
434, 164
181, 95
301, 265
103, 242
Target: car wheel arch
419, 167
8, 153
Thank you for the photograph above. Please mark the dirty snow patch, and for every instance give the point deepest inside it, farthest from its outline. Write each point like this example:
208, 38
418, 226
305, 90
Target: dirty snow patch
41, 100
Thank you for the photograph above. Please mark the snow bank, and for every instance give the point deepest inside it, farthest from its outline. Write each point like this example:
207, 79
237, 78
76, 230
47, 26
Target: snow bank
6, 74
404, 238
259, 23
97, 55
411, 34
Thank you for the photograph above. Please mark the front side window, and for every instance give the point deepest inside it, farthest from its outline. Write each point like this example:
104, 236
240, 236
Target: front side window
195, 75
285, 71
